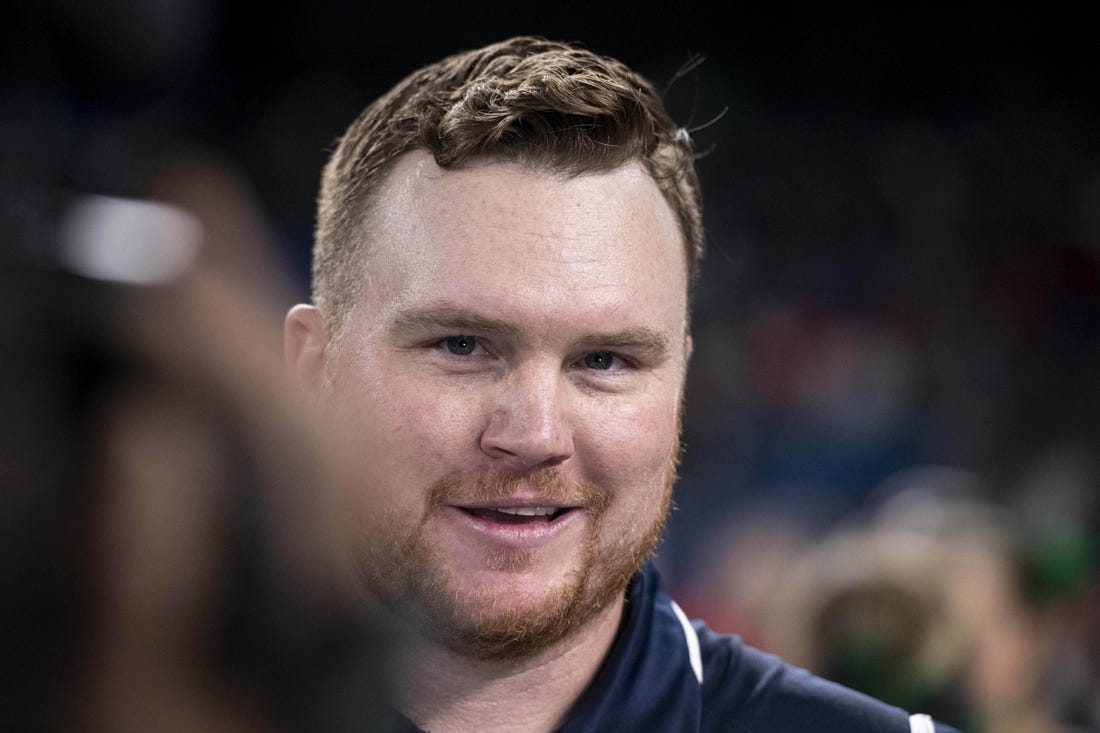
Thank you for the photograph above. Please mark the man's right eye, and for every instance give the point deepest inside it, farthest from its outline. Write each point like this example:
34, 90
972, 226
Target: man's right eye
460, 345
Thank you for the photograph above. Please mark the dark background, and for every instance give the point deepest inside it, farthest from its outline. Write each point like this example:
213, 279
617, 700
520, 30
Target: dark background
902, 208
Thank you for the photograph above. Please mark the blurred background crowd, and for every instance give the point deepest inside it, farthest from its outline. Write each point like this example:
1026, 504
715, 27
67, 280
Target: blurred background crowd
891, 469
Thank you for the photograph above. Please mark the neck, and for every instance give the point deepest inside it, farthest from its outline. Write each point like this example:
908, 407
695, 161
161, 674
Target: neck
445, 692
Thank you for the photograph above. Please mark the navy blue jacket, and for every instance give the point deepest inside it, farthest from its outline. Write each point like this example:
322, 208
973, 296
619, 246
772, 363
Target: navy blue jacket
666, 674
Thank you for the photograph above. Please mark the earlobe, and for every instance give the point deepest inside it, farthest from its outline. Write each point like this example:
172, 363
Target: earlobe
304, 341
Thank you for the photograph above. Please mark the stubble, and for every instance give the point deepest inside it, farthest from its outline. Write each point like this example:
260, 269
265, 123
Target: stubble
410, 578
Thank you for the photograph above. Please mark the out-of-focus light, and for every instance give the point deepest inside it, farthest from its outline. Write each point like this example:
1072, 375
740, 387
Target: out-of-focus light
128, 241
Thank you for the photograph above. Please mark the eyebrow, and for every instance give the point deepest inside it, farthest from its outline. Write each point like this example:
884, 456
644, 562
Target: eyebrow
639, 338
654, 343
453, 319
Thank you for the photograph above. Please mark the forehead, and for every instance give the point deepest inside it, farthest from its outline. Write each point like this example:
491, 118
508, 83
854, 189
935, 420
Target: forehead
507, 230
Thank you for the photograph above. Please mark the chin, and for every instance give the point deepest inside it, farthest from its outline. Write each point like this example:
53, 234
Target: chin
513, 621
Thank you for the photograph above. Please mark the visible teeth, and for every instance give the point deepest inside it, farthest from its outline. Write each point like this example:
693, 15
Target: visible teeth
529, 511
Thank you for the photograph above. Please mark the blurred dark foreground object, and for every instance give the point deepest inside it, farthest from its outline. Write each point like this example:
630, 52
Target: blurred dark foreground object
172, 553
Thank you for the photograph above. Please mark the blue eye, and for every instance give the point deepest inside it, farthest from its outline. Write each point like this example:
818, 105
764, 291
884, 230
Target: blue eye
461, 345
601, 360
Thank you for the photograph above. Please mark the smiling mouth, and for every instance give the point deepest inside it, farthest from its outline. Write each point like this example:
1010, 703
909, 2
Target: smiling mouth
519, 515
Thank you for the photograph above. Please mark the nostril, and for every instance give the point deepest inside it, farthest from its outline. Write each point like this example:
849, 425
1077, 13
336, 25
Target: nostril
527, 448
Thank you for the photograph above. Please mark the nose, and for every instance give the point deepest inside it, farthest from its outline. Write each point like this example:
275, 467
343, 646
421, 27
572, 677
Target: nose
529, 426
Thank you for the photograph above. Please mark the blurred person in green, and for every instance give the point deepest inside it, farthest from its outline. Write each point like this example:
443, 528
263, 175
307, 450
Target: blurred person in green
943, 603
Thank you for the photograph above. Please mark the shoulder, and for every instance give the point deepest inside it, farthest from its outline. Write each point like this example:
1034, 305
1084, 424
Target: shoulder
748, 691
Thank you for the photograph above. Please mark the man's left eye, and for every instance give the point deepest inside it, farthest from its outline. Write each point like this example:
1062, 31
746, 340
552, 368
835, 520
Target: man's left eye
599, 360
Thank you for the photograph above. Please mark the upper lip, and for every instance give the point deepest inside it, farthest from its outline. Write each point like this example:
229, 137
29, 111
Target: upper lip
515, 503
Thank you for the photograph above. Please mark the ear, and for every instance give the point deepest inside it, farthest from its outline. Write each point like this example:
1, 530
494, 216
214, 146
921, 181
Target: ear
304, 341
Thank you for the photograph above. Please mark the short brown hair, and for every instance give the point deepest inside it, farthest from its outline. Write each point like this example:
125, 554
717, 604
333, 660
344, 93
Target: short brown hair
528, 100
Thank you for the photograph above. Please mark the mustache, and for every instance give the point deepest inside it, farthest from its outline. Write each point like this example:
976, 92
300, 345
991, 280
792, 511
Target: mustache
548, 484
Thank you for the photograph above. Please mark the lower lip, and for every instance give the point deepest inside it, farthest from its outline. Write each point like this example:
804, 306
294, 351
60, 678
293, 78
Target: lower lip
515, 535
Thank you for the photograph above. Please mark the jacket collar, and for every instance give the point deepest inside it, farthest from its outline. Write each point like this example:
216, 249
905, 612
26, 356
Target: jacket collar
646, 682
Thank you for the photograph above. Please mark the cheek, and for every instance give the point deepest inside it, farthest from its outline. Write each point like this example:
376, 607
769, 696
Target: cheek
429, 419
413, 432
628, 448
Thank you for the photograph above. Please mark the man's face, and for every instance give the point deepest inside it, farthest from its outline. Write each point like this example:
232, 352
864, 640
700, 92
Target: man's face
511, 376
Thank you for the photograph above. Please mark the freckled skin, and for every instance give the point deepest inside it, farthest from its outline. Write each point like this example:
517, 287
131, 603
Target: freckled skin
562, 261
